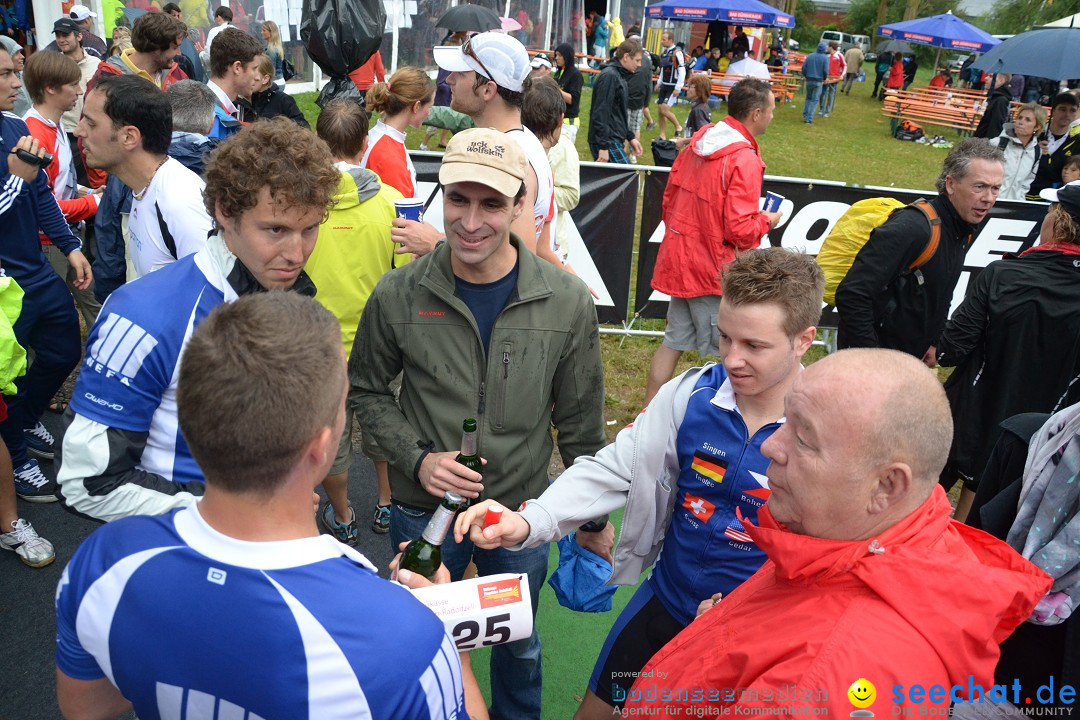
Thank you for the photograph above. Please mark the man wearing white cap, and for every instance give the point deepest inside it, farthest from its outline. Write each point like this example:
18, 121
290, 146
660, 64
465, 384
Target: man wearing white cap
479, 328
540, 65
83, 17
487, 76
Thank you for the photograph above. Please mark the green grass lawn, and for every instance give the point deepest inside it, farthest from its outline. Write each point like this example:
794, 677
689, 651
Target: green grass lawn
852, 145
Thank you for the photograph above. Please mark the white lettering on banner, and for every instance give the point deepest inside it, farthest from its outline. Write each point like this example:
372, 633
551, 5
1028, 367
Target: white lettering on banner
991, 244
809, 217
579, 258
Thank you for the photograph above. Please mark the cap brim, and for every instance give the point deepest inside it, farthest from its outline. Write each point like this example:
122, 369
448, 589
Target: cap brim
1049, 194
498, 180
452, 59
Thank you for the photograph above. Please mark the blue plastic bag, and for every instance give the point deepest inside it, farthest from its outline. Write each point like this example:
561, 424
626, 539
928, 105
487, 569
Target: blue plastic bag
579, 580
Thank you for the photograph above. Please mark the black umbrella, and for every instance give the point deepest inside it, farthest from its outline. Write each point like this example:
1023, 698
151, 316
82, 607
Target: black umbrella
892, 45
469, 18
1052, 53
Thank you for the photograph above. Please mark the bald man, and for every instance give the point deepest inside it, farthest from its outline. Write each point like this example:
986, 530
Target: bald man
872, 598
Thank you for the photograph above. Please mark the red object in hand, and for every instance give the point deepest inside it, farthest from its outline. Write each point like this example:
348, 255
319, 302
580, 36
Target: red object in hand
492, 516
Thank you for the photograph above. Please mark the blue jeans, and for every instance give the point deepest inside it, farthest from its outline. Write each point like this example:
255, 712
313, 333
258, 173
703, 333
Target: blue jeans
516, 671
828, 99
813, 94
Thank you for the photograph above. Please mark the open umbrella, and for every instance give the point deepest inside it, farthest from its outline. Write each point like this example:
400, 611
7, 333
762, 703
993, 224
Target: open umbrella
894, 46
469, 18
737, 12
941, 31
1052, 53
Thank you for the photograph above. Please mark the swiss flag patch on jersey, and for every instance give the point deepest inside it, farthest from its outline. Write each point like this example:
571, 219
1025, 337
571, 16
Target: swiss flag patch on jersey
699, 507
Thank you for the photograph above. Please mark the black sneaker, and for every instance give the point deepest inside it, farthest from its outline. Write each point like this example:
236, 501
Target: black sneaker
40, 443
32, 485
381, 522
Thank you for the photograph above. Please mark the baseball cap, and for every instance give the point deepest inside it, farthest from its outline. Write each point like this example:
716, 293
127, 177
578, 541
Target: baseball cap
81, 12
66, 25
540, 61
496, 56
485, 156
1068, 196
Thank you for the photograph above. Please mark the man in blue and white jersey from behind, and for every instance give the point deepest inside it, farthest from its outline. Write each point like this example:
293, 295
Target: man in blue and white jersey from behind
268, 189
237, 604
689, 470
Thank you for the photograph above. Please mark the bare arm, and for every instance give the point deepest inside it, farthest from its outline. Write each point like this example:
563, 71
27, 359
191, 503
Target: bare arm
89, 699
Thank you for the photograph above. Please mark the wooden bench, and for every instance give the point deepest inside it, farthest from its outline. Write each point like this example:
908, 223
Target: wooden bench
958, 109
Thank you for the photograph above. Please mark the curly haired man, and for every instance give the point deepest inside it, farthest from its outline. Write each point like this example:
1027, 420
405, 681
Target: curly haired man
268, 189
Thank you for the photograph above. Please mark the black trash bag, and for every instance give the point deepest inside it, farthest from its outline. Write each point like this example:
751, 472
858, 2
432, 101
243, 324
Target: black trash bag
340, 36
664, 152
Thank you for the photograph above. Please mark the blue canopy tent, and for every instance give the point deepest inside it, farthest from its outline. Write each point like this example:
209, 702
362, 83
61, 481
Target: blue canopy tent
735, 12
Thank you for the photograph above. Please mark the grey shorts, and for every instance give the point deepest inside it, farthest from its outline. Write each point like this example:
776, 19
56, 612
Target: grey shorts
634, 118
691, 325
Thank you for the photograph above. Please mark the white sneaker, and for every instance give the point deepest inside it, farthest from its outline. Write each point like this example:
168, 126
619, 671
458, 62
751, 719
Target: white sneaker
423, 146
31, 548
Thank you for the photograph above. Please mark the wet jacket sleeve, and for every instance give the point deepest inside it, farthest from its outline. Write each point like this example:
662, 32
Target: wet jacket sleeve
96, 461
965, 329
51, 218
578, 387
744, 223
600, 129
375, 361
110, 268
881, 260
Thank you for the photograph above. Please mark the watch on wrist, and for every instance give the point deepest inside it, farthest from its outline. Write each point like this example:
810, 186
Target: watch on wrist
594, 526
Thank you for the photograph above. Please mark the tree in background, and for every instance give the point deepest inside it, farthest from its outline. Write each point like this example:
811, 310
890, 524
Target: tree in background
1015, 16
806, 32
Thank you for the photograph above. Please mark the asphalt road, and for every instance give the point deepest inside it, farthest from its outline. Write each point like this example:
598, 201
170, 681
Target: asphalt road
27, 595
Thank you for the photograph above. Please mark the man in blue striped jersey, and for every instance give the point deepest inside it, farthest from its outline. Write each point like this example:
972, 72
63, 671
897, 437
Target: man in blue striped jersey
236, 606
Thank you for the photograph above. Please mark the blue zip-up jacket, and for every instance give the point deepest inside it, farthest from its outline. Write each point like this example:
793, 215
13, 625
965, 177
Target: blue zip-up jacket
110, 267
25, 207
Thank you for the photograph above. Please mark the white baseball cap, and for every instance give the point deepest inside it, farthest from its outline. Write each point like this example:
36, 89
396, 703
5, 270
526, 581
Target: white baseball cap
80, 13
496, 56
540, 61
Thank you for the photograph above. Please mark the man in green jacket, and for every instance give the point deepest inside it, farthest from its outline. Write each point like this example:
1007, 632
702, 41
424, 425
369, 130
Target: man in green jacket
480, 329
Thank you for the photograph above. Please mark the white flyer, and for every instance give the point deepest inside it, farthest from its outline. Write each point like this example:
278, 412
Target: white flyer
481, 611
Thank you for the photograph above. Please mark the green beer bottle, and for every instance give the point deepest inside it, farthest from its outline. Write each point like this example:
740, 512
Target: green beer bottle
424, 555
468, 456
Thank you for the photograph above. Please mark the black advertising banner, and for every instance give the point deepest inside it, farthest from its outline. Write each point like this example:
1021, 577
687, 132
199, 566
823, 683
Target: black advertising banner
601, 228
810, 211
605, 219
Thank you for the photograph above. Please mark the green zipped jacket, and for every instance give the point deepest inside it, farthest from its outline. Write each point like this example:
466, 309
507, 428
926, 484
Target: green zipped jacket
543, 371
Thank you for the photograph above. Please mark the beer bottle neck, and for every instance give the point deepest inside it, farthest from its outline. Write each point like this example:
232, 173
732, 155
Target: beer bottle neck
468, 443
439, 525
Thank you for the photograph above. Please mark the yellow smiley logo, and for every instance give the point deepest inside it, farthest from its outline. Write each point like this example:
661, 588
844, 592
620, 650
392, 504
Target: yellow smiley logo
862, 693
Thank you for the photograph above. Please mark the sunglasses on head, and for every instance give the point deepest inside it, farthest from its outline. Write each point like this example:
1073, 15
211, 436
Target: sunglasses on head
467, 48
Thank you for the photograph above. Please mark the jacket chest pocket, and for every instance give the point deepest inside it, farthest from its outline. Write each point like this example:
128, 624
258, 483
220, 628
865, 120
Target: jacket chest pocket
502, 359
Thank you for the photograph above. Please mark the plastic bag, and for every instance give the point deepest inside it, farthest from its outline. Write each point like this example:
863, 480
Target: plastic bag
579, 581
340, 36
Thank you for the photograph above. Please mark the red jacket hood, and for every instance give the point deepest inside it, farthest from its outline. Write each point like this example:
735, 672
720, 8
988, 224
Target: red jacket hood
991, 589
713, 142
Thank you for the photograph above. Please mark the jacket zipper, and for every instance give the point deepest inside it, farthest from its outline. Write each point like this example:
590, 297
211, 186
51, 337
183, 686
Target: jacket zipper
500, 407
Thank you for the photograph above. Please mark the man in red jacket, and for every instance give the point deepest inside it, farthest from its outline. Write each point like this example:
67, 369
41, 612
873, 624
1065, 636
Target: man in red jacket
711, 213
872, 596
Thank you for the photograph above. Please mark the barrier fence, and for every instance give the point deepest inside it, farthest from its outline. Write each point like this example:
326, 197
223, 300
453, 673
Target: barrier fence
607, 223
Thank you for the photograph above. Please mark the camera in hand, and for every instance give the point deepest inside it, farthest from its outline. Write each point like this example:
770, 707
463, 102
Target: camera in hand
32, 159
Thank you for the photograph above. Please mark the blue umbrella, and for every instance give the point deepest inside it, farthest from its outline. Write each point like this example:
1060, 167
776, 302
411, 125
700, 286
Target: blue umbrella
736, 12
1052, 53
942, 31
